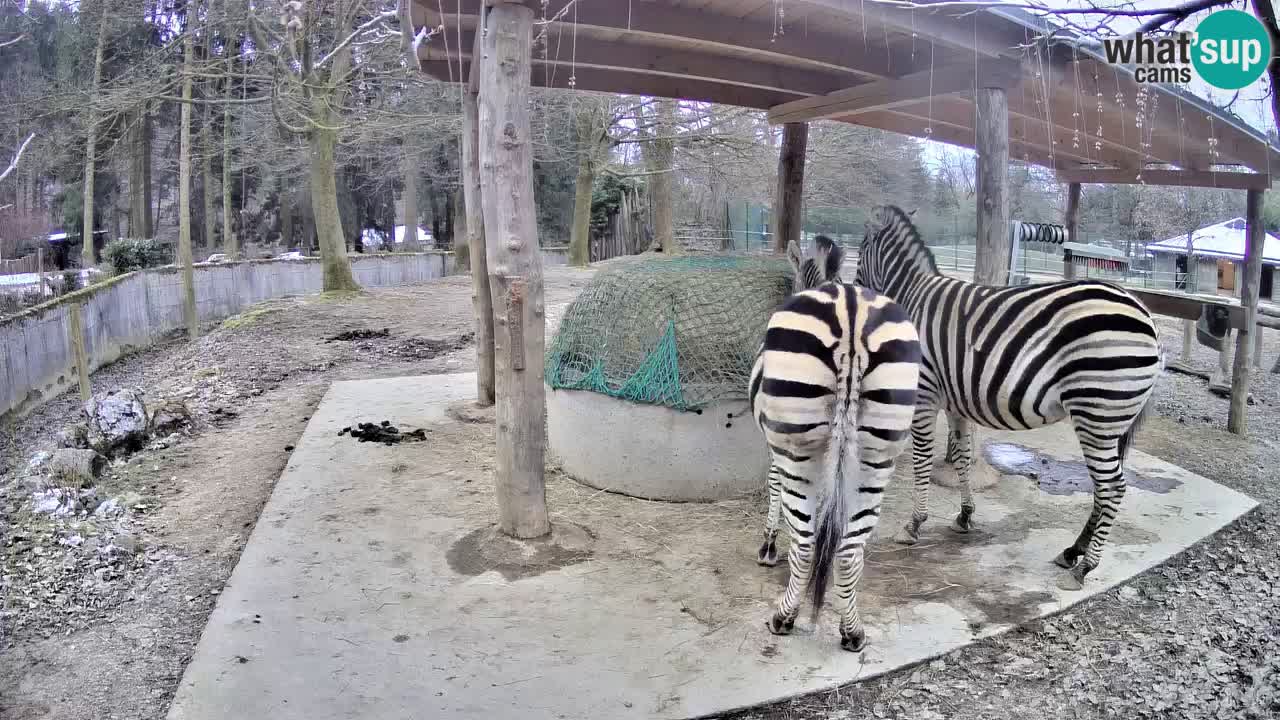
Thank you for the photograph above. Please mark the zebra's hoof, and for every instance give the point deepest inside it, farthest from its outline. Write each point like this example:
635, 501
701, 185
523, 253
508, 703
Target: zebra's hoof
962, 524
781, 625
768, 555
1063, 562
907, 536
854, 641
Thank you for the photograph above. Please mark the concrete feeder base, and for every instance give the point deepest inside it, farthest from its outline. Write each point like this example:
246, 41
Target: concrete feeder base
655, 452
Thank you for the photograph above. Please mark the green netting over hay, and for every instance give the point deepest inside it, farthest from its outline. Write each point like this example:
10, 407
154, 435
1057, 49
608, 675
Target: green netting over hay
675, 331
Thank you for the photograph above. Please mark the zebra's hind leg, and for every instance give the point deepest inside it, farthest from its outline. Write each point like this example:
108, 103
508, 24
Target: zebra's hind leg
962, 430
1102, 456
799, 505
876, 458
923, 425
768, 555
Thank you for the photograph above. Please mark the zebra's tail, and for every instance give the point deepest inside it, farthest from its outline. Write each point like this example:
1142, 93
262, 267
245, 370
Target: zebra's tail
831, 513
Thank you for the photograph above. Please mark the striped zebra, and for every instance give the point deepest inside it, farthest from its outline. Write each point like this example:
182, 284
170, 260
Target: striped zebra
1017, 358
833, 388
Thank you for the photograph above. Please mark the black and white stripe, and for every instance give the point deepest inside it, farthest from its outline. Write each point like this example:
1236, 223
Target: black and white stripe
1018, 358
833, 389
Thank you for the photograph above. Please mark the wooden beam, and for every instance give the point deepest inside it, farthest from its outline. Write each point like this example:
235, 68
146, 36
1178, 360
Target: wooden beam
1255, 236
1187, 307
1189, 178
896, 92
569, 56
633, 83
1072, 221
963, 28
788, 201
955, 134
696, 29
991, 265
481, 295
515, 270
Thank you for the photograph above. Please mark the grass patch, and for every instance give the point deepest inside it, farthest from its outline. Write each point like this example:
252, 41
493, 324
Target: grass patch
246, 318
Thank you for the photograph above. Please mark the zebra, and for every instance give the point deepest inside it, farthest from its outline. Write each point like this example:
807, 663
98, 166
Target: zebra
832, 389
1017, 358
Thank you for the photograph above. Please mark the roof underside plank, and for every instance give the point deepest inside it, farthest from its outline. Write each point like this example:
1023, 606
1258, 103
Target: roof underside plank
1068, 110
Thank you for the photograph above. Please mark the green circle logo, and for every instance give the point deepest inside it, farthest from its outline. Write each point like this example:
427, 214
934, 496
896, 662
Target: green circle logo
1232, 49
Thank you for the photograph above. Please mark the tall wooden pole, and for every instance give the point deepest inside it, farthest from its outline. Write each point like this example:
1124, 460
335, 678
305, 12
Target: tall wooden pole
481, 298
75, 335
991, 266
789, 199
1072, 221
515, 268
184, 189
1254, 237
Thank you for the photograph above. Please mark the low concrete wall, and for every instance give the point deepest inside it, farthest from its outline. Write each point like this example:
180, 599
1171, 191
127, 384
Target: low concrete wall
554, 256
654, 452
131, 311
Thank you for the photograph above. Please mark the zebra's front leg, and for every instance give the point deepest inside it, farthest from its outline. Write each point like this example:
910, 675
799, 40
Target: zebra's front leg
962, 430
768, 555
923, 424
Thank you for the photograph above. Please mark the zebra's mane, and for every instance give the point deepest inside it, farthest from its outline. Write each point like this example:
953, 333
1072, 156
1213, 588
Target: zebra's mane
907, 236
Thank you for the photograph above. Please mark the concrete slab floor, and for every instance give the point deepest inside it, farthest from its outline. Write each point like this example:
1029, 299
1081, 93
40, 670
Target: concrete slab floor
369, 588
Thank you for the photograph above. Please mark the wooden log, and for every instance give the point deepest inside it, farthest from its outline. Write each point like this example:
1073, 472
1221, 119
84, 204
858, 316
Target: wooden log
75, 335
481, 297
1072, 221
40, 270
515, 269
789, 200
991, 266
1255, 235
1257, 345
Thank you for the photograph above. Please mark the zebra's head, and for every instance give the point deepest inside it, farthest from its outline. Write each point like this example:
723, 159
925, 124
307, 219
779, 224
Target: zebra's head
822, 265
891, 248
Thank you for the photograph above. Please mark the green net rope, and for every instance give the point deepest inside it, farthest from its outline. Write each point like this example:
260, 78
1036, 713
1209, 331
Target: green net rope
681, 332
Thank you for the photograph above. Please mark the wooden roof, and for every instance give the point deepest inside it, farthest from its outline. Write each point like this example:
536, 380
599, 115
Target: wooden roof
867, 63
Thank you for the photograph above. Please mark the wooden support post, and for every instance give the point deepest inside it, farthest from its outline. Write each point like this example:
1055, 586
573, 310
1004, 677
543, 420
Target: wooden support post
515, 268
40, 270
1072, 221
481, 298
1257, 346
991, 266
75, 335
789, 199
1255, 235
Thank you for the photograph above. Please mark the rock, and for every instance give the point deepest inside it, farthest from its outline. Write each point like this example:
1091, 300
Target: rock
36, 464
117, 421
169, 417
75, 435
76, 467
63, 502
127, 543
109, 508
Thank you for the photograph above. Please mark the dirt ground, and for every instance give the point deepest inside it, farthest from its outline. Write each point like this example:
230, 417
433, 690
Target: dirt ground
1196, 638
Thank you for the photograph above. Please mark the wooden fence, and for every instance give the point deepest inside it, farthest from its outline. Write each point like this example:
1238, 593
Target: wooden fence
22, 265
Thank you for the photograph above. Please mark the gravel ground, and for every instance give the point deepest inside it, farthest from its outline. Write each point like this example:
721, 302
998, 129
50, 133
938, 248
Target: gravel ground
1198, 637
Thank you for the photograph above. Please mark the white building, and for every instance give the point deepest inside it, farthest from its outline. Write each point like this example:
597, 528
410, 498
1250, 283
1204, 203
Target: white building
1219, 253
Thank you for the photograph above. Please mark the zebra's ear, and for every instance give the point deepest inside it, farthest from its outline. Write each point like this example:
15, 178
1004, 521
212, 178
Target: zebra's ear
794, 256
912, 212
835, 258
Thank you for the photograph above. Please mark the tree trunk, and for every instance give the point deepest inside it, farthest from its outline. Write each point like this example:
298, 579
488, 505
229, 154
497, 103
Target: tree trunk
286, 218
184, 189
445, 239
91, 145
230, 242
139, 213
206, 179
588, 143
991, 266
789, 199
147, 197
324, 202
1237, 419
481, 295
660, 184
409, 202
515, 270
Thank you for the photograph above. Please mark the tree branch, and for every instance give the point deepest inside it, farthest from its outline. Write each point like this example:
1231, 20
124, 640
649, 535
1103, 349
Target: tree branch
13, 164
14, 41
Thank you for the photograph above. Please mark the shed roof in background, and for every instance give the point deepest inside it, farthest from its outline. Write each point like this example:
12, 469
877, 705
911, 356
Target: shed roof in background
1221, 240
871, 64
